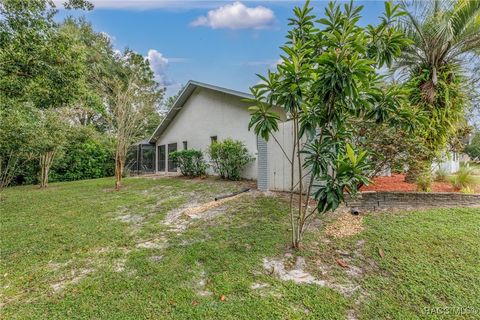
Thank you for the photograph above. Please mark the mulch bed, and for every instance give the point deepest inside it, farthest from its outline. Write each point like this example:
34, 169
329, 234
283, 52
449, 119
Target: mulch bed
397, 183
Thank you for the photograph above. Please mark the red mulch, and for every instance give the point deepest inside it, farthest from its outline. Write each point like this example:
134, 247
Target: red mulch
397, 183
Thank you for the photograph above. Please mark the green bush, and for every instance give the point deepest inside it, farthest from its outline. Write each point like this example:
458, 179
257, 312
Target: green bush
441, 175
473, 149
424, 181
87, 155
463, 179
190, 162
229, 158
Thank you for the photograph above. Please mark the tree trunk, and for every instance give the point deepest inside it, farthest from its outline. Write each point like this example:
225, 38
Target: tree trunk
300, 189
119, 163
46, 160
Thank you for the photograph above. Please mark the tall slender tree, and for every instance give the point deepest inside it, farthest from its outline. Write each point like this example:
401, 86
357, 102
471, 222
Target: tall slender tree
133, 97
439, 67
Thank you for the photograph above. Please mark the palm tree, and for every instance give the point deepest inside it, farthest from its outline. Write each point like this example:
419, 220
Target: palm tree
439, 65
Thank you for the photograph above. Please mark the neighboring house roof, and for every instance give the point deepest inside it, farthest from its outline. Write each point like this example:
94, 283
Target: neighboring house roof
183, 97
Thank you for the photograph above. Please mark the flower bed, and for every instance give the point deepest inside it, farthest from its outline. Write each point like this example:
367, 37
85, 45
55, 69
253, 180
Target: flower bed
397, 182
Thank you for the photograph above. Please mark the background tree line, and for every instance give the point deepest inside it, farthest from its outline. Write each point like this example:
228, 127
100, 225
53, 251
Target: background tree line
70, 104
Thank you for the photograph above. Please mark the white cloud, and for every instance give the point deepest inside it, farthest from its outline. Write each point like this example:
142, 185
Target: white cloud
236, 16
159, 64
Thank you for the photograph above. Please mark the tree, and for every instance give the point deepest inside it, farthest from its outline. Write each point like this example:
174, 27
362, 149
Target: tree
17, 136
38, 63
133, 96
40, 69
445, 46
473, 148
98, 54
327, 76
49, 141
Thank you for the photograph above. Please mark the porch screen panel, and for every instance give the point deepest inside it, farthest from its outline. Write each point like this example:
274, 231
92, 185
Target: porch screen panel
172, 166
161, 158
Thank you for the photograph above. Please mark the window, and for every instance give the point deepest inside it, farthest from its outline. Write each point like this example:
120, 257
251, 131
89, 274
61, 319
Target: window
213, 139
184, 145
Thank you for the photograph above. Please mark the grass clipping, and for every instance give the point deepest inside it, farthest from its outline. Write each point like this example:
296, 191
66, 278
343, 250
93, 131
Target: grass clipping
346, 225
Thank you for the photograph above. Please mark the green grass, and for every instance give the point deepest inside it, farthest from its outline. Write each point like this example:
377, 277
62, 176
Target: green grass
432, 259
69, 234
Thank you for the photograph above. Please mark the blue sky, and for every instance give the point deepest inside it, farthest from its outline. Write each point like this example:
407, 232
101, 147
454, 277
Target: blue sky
219, 42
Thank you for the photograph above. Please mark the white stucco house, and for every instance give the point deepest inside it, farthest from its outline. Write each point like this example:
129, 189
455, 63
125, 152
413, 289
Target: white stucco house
204, 113
201, 114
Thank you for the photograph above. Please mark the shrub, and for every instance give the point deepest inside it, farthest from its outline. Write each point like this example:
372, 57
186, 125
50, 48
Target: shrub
463, 179
190, 162
87, 155
473, 149
229, 158
441, 175
424, 181
467, 190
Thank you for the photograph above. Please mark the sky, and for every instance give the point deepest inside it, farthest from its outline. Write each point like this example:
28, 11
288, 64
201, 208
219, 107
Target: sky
225, 43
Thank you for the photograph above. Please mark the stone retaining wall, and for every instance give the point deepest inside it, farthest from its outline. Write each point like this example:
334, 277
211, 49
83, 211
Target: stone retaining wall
374, 201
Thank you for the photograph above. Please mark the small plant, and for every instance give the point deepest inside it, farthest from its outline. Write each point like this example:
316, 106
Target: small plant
441, 176
229, 158
467, 190
463, 179
424, 182
190, 162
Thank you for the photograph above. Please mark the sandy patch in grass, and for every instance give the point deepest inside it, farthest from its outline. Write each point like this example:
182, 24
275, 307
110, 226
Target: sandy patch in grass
259, 285
119, 265
156, 258
131, 218
296, 274
344, 226
200, 283
76, 275
156, 243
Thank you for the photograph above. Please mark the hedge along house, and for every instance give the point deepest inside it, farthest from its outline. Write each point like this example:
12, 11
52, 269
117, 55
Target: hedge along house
201, 115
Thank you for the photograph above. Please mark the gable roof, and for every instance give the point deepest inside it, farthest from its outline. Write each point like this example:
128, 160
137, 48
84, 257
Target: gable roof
183, 97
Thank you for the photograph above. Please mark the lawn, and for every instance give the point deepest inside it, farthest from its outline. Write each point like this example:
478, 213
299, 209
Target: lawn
81, 250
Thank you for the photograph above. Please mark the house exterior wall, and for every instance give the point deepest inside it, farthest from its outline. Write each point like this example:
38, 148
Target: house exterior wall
210, 113
277, 165
449, 164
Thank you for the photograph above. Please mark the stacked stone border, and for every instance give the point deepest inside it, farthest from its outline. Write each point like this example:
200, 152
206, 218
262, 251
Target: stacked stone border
383, 200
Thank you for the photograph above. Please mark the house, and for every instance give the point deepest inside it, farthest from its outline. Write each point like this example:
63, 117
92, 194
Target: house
202, 114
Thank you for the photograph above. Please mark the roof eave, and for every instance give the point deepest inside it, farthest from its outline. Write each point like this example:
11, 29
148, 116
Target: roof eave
183, 97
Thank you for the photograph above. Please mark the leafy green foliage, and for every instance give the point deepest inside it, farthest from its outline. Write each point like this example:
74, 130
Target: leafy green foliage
438, 66
87, 155
463, 179
424, 181
229, 157
326, 81
17, 138
190, 162
473, 149
441, 175
350, 173
39, 63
